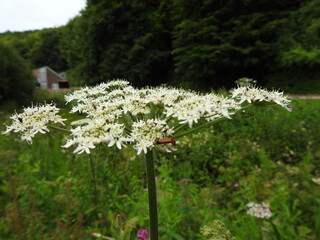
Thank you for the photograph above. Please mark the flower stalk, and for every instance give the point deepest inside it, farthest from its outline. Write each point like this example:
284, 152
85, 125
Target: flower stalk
59, 128
278, 237
150, 157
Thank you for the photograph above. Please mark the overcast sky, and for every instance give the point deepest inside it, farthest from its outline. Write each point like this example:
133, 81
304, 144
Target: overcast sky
23, 15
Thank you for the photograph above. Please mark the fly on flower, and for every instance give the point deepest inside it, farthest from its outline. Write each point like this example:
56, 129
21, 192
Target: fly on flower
166, 141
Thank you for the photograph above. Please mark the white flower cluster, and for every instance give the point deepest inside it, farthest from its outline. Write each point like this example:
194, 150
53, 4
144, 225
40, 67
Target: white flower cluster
116, 113
145, 133
242, 82
195, 107
259, 210
33, 120
95, 131
252, 94
143, 113
216, 230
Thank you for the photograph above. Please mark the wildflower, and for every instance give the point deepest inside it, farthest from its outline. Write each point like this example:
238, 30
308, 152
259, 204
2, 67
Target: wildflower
254, 94
99, 235
33, 120
236, 185
183, 180
145, 133
316, 180
117, 114
259, 210
244, 81
216, 230
143, 234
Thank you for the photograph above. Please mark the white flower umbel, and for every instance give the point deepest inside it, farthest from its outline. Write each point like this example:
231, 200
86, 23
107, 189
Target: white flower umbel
144, 134
117, 114
253, 94
96, 131
259, 210
33, 120
193, 107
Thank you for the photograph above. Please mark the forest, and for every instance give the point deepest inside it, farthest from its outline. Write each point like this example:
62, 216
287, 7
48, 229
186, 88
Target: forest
206, 44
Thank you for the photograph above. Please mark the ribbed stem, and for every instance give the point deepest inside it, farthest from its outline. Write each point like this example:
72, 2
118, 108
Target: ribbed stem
59, 128
152, 193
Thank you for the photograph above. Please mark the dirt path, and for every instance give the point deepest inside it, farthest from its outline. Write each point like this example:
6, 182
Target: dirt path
304, 96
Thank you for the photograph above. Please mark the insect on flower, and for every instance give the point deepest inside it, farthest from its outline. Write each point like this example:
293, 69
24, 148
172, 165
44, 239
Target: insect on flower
166, 141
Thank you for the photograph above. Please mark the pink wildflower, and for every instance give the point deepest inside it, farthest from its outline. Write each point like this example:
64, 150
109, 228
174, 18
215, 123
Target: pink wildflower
183, 180
143, 234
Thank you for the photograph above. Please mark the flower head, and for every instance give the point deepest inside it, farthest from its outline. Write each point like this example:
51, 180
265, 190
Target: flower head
216, 230
143, 234
183, 180
117, 114
254, 94
145, 133
33, 120
259, 210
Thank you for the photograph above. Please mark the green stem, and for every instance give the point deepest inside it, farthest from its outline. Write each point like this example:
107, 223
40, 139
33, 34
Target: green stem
275, 230
208, 124
179, 127
59, 128
94, 180
152, 193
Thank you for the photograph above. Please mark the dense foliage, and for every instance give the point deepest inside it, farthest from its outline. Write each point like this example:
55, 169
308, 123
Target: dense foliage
270, 155
196, 44
16, 80
40, 48
199, 44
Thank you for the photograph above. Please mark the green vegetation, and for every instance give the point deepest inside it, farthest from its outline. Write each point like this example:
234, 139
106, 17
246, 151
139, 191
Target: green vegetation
16, 81
195, 44
273, 156
40, 48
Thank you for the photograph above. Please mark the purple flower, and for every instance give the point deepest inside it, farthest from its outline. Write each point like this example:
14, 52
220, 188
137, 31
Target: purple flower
236, 185
143, 234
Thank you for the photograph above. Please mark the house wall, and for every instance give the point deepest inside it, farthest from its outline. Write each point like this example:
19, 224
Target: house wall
42, 77
48, 78
52, 78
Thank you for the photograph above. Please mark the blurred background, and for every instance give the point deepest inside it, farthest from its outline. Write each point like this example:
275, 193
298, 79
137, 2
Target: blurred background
268, 155
202, 45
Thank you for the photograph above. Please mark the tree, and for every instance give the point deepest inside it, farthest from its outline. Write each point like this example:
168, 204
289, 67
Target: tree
16, 80
126, 39
217, 42
46, 51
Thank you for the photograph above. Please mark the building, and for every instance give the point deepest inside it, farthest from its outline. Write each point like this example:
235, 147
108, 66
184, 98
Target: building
49, 79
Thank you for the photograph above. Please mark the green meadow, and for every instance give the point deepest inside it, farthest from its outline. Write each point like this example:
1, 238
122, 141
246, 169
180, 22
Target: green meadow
268, 155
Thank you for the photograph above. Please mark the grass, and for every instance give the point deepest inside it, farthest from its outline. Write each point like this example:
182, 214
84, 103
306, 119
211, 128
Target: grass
273, 155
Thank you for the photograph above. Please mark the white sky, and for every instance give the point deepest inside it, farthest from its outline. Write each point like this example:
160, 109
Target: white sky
23, 15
